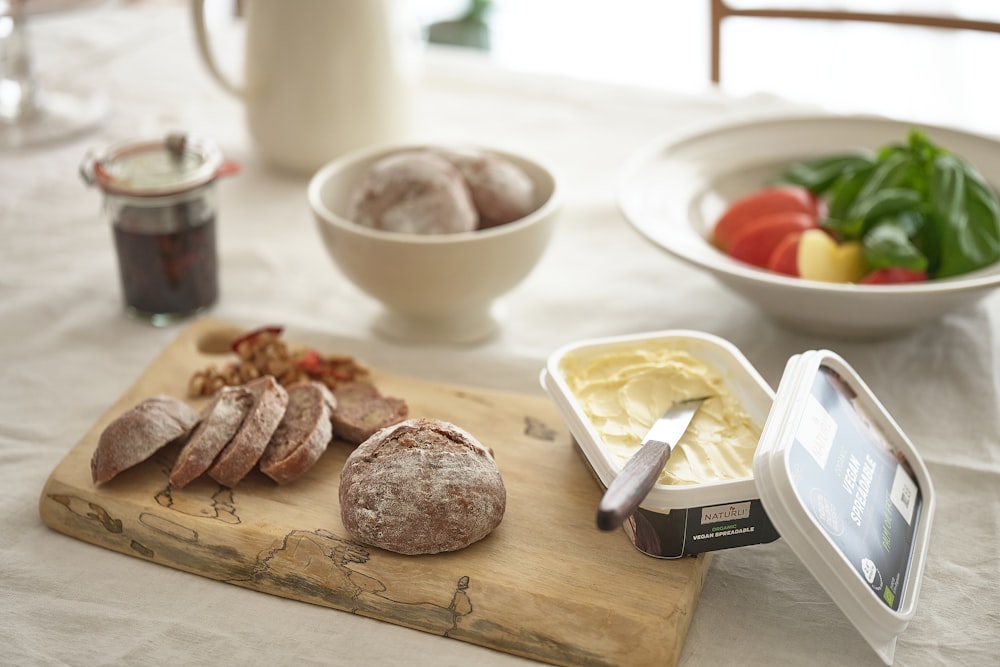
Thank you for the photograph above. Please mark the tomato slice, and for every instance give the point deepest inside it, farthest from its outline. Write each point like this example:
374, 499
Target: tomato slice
893, 275
750, 209
755, 243
785, 256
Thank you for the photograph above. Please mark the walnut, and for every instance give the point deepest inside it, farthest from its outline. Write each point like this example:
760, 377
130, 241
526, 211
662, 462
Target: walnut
262, 352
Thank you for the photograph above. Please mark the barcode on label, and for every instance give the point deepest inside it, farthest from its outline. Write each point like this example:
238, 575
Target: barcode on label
903, 493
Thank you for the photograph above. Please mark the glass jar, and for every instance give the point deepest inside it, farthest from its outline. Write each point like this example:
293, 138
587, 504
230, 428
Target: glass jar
160, 200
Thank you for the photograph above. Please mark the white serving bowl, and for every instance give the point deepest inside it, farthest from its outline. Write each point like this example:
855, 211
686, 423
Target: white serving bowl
433, 287
674, 190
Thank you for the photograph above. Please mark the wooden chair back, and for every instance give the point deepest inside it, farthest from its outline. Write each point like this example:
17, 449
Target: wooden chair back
721, 11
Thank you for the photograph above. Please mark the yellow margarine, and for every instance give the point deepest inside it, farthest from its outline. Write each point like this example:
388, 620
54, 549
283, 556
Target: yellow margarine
623, 391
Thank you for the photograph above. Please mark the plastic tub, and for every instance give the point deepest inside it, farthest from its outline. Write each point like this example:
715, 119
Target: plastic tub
675, 520
833, 474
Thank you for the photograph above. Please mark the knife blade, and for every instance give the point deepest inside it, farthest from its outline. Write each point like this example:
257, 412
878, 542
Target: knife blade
627, 491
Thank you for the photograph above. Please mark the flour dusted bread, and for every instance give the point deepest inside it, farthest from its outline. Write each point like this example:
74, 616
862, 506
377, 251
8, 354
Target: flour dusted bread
422, 486
501, 191
138, 433
302, 435
248, 444
362, 410
219, 423
415, 192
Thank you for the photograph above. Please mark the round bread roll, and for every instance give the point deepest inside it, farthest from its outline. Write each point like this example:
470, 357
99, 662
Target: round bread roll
415, 192
501, 191
422, 486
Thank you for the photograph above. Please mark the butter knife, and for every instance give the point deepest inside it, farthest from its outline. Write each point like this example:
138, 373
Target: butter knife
633, 483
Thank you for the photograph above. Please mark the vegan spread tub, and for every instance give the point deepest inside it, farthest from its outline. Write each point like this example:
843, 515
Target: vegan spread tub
612, 390
622, 391
836, 475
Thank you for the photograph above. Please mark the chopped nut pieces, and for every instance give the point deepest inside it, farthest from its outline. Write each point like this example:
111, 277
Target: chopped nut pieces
262, 352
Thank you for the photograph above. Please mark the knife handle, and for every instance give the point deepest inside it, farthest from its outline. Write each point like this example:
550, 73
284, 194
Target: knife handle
632, 485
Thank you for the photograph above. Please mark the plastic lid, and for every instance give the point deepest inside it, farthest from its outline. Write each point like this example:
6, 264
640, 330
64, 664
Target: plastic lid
150, 168
846, 489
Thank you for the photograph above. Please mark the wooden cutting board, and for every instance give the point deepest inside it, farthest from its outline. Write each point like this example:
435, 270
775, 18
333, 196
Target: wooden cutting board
546, 584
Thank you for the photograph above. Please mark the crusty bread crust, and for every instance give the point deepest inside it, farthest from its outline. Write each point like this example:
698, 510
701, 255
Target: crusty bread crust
245, 449
501, 191
219, 423
415, 192
138, 433
420, 487
302, 435
361, 411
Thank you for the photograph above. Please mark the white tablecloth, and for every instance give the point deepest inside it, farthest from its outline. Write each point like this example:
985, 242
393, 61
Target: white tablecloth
67, 352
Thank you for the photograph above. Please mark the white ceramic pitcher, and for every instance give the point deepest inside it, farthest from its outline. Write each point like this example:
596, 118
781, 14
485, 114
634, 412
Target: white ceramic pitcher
322, 77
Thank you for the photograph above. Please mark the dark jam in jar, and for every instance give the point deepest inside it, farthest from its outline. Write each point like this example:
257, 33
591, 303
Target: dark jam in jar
167, 259
160, 198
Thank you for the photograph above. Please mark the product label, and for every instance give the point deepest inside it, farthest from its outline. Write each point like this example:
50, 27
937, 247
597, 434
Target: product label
860, 491
695, 530
725, 513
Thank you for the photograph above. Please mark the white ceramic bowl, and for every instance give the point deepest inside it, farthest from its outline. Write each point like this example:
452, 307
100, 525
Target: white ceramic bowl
433, 287
674, 190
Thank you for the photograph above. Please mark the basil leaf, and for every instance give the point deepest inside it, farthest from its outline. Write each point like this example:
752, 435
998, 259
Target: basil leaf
922, 148
925, 234
884, 203
846, 191
984, 221
850, 229
890, 172
820, 175
888, 244
966, 214
948, 187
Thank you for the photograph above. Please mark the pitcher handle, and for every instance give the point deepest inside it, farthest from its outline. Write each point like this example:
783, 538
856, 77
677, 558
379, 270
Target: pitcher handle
205, 49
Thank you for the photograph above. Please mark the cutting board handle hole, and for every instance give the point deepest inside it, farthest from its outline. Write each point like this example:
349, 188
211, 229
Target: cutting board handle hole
217, 341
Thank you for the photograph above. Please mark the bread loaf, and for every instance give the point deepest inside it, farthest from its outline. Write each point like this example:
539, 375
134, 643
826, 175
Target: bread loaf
245, 449
302, 435
138, 433
501, 191
423, 486
415, 192
219, 423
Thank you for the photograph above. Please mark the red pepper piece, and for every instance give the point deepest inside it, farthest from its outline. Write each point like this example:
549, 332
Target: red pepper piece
251, 335
311, 362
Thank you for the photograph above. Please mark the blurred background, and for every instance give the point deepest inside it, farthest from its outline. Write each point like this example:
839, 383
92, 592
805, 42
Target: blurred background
923, 74
927, 74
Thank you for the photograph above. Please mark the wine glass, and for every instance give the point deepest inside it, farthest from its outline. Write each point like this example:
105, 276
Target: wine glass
30, 114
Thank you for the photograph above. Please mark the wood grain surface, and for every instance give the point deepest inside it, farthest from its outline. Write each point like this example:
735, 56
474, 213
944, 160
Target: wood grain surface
546, 584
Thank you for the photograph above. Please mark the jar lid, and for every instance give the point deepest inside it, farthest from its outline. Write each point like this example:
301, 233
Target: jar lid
167, 166
848, 492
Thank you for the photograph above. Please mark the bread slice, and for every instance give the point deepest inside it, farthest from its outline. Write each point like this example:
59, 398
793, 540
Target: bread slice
303, 434
219, 423
361, 411
245, 449
140, 432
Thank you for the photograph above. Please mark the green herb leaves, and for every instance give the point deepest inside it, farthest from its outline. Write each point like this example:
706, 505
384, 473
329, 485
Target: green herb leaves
916, 206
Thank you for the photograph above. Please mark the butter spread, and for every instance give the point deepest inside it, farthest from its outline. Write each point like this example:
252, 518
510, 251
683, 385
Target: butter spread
622, 391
